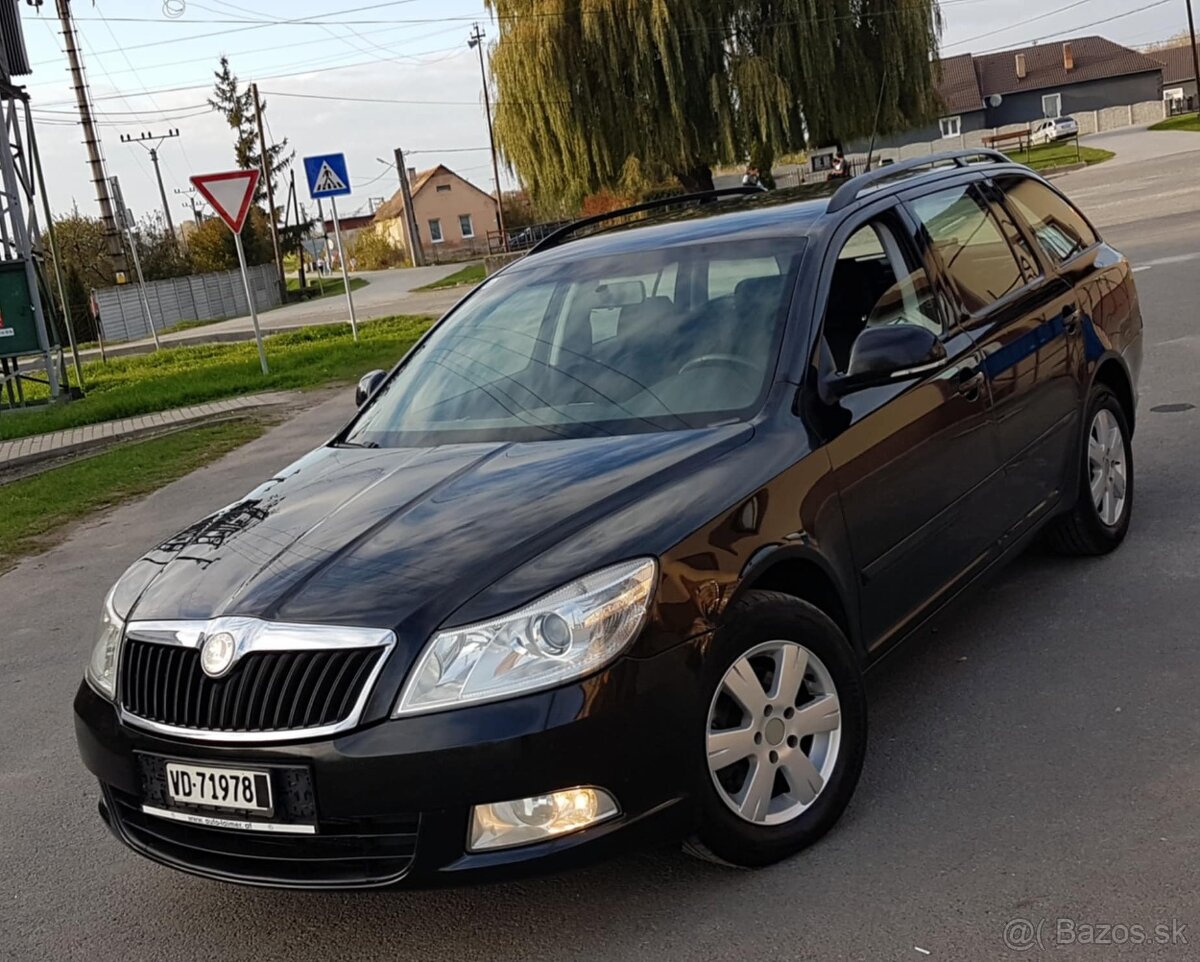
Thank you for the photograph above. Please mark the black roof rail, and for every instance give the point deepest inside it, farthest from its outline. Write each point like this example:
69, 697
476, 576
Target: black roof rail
560, 235
848, 193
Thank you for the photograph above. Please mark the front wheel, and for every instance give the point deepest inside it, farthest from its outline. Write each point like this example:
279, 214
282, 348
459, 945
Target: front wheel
784, 733
1100, 518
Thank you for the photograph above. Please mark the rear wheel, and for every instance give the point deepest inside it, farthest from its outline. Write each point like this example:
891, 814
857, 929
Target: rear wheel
784, 732
1100, 518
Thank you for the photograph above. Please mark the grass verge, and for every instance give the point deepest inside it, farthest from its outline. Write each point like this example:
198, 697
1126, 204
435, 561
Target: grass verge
179, 376
471, 274
36, 508
1061, 154
1182, 122
329, 286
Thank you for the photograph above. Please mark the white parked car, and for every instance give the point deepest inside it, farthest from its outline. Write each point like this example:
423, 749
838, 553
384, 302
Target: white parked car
1059, 128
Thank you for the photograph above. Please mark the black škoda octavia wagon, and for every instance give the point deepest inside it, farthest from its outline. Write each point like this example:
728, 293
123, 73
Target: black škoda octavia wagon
603, 559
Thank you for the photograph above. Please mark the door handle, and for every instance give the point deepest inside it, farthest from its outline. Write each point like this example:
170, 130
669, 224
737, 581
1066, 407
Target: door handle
1070, 319
970, 382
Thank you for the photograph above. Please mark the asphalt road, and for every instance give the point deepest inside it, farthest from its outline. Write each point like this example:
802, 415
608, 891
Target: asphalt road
1034, 758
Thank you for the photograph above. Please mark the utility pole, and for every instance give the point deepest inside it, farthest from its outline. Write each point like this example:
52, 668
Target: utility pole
141, 139
476, 41
416, 252
191, 201
1195, 54
265, 158
91, 138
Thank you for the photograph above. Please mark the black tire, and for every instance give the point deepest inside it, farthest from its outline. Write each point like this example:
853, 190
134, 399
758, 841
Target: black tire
1081, 531
758, 617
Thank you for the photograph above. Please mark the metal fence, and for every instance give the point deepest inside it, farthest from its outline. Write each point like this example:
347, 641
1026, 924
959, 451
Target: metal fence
199, 297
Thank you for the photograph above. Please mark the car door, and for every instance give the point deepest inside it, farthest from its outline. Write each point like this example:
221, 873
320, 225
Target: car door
912, 460
1017, 314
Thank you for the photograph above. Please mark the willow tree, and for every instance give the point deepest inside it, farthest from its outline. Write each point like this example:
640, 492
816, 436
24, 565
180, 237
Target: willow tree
596, 94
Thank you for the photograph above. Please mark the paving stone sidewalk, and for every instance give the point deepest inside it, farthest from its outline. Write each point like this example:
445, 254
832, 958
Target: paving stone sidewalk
60, 444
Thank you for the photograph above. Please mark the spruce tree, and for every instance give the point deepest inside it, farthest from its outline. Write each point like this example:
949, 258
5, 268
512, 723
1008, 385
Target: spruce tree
237, 107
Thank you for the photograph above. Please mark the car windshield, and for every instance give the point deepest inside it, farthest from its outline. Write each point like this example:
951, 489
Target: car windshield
642, 341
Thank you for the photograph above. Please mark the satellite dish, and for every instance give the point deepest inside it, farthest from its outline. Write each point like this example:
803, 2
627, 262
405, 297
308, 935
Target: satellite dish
995, 100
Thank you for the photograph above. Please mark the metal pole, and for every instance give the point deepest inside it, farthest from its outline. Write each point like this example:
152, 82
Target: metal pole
878, 110
62, 293
477, 42
91, 138
295, 201
262, 354
265, 158
1195, 53
416, 252
337, 232
137, 267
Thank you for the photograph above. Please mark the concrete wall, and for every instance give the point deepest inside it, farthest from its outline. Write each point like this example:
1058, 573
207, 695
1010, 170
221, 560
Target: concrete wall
198, 297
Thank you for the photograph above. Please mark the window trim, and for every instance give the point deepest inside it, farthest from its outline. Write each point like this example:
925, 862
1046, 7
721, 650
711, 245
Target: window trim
1173, 93
441, 237
470, 226
942, 124
1057, 96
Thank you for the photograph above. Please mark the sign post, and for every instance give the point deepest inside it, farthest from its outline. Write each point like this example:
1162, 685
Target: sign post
230, 194
327, 177
124, 219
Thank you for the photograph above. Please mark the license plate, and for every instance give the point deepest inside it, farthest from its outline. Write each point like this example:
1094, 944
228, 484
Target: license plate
231, 788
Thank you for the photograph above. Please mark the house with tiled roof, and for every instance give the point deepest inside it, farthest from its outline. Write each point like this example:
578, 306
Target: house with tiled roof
1178, 75
453, 215
1100, 83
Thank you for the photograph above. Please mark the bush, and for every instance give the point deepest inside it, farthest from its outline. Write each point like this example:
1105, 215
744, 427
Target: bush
371, 251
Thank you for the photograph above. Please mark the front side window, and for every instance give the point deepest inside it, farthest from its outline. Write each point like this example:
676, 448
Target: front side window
1059, 229
624, 343
435, 230
951, 126
967, 240
466, 228
875, 283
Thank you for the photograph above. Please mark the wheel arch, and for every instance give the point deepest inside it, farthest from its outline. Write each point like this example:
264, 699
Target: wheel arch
802, 572
1112, 373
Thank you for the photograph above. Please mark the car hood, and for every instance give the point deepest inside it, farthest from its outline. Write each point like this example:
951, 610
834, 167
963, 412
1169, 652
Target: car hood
402, 538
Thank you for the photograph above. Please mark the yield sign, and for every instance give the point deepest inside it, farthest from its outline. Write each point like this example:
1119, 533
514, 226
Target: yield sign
229, 194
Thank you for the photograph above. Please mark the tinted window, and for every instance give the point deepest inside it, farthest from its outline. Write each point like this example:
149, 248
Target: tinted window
596, 346
968, 242
1059, 228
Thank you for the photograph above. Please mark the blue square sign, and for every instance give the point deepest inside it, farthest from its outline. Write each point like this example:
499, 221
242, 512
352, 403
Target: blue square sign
327, 175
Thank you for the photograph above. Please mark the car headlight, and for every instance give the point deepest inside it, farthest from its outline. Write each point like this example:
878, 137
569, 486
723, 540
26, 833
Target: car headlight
566, 634
102, 667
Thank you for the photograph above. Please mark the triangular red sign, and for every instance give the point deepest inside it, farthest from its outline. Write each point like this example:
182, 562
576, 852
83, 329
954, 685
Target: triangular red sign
229, 194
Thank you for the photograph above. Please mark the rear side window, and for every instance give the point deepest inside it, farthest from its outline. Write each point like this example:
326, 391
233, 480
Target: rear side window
1059, 228
967, 240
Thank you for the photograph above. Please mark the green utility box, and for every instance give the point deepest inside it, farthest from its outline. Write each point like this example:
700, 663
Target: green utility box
18, 332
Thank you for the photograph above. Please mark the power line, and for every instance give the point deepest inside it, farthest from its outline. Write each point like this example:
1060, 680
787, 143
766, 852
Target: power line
1019, 23
1084, 26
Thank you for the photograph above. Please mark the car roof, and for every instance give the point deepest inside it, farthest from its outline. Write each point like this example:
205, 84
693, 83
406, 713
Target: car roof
789, 212
744, 217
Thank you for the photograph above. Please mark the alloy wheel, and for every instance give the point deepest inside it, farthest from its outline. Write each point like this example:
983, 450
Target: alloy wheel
774, 730
1107, 467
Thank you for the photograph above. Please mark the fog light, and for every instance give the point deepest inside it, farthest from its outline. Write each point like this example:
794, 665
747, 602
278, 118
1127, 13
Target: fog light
526, 820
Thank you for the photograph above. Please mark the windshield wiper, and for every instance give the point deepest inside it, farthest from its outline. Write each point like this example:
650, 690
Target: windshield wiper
355, 444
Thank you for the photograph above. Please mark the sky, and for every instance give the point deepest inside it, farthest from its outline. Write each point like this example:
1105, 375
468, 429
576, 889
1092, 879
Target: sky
149, 65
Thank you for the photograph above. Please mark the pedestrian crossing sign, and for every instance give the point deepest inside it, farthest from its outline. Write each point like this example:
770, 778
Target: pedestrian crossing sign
327, 175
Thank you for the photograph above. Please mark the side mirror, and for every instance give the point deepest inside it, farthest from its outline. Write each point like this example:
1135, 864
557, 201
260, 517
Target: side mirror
891, 352
367, 385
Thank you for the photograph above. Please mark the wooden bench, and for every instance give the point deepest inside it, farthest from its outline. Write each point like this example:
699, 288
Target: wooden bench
1018, 139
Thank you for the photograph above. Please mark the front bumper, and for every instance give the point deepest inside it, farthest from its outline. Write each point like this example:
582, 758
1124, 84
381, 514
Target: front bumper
391, 801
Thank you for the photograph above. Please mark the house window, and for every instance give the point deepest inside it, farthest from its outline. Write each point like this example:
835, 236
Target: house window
435, 230
1175, 93
443, 188
1052, 106
465, 226
951, 127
